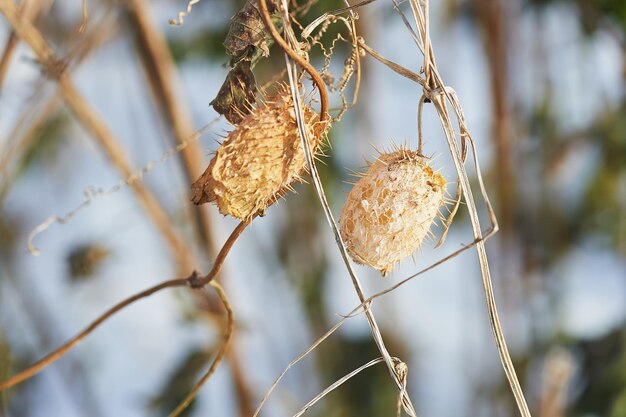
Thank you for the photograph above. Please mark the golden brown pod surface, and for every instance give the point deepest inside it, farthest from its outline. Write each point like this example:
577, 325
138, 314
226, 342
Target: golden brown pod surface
390, 210
258, 160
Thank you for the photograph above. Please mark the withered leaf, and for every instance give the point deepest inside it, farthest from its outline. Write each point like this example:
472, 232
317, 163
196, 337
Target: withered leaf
247, 37
247, 42
238, 93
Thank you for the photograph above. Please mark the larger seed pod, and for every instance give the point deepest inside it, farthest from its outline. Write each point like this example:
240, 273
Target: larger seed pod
390, 210
259, 160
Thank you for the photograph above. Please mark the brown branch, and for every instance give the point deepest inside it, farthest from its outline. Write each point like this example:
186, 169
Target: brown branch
164, 81
199, 282
42, 322
33, 118
182, 131
407, 73
93, 123
317, 79
57, 354
9, 48
194, 280
29, 10
230, 327
42, 105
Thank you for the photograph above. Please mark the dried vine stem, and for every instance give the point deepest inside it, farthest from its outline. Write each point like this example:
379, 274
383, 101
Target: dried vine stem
361, 308
441, 95
57, 354
302, 356
336, 384
317, 79
43, 103
228, 334
292, 58
29, 10
395, 67
194, 280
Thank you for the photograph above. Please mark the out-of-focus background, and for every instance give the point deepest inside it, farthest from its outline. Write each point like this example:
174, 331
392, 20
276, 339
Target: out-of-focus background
542, 86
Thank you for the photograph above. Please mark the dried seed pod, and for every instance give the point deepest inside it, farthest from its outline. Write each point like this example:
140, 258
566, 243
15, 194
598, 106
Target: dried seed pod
390, 210
259, 160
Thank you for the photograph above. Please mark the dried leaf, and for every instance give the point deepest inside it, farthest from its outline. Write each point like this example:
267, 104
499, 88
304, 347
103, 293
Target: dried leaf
237, 95
247, 37
247, 41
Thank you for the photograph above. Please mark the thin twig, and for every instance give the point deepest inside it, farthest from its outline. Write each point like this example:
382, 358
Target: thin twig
395, 67
44, 103
230, 327
199, 282
29, 10
360, 309
414, 35
336, 384
299, 358
494, 320
317, 79
440, 95
194, 280
291, 69
58, 353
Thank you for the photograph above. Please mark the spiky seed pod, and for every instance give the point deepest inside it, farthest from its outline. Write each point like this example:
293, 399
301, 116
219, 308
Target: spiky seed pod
259, 159
390, 210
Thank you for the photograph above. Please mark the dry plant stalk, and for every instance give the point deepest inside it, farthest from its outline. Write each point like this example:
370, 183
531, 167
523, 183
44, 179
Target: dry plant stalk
435, 91
194, 280
103, 135
293, 57
442, 97
389, 212
259, 160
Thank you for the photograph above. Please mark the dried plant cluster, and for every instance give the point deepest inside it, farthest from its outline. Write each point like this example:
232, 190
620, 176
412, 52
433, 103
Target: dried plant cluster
390, 210
259, 160
388, 213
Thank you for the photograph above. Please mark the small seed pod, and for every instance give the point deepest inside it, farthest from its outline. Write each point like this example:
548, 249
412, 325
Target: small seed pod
259, 160
390, 210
